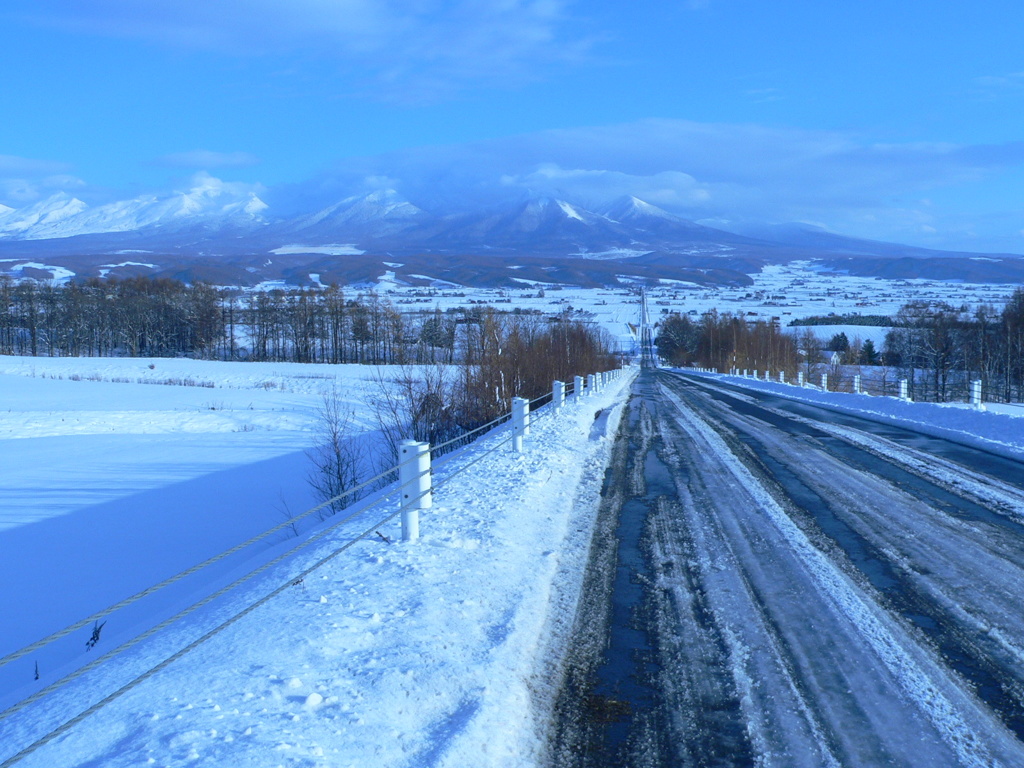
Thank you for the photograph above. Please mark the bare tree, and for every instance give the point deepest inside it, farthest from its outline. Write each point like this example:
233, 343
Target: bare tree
338, 453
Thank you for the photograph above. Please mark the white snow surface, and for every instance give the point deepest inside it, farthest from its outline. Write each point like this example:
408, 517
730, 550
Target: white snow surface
435, 652
207, 199
569, 211
997, 428
328, 250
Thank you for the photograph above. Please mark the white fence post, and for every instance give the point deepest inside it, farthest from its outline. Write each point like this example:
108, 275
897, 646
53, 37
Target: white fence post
520, 408
414, 477
558, 395
856, 384
976, 394
782, 377
904, 390
800, 378
591, 383
577, 387
824, 382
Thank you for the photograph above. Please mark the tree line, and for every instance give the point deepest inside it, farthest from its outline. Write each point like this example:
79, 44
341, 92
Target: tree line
725, 341
160, 317
937, 347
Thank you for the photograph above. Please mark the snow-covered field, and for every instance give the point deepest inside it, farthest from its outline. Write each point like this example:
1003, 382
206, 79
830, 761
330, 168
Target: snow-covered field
117, 474
393, 651
786, 291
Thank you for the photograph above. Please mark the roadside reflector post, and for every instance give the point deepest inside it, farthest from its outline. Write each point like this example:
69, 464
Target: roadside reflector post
558, 395
414, 478
824, 382
520, 409
976, 395
856, 384
782, 377
904, 390
591, 383
577, 387
800, 378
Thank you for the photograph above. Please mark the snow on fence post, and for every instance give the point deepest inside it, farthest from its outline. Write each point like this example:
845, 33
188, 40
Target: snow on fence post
800, 378
557, 396
577, 387
976, 394
520, 409
755, 374
904, 390
856, 384
414, 477
782, 377
591, 383
824, 382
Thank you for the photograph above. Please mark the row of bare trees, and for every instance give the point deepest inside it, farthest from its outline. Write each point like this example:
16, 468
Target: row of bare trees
726, 341
502, 355
938, 348
135, 317
165, 318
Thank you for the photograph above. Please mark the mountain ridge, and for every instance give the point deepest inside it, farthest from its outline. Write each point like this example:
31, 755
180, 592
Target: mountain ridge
222, 232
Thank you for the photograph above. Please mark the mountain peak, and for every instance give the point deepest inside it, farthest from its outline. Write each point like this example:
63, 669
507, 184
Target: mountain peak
630, 208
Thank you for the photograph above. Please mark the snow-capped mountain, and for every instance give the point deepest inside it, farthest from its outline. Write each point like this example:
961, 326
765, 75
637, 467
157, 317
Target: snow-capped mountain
44, 216
633, 209
210, 203
375, 214
225, 234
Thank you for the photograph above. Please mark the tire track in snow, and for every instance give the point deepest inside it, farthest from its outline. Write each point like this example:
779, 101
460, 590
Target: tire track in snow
947, 566
951, 710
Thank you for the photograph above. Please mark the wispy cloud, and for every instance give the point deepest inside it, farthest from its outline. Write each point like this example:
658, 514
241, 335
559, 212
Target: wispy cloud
24, 180
763, 95
21, 166
204, 159
421, 48
1000, 86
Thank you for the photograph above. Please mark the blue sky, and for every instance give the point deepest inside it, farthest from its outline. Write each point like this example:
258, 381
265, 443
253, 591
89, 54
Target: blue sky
900, 121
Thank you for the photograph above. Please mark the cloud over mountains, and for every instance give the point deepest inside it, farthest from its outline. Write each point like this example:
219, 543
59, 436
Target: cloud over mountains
718, 174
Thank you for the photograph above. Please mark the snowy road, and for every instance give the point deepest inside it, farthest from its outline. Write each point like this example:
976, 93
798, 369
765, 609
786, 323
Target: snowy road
793, 587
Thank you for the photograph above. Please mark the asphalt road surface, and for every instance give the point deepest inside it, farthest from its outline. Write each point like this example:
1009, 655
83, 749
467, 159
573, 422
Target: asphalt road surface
775, 584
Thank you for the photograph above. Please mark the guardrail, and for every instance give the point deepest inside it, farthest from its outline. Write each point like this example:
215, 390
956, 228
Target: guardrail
856, 384
415, 487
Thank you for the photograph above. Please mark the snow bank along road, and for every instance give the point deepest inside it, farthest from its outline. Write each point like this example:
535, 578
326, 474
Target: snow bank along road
794, 587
